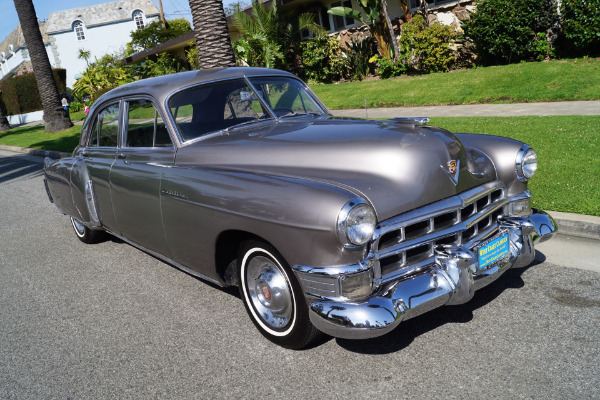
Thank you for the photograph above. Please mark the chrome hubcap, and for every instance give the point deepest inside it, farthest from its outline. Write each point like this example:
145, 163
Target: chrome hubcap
269, 292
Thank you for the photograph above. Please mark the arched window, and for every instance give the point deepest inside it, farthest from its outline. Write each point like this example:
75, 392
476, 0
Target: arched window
78, 27
138, 17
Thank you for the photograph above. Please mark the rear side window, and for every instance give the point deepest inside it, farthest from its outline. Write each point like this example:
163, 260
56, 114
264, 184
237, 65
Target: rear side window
214, 107
105, 130
145, 126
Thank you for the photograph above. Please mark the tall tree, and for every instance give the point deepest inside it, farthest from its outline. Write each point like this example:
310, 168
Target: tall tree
4, 125
54, 116
272, 36
378, 22
211, 33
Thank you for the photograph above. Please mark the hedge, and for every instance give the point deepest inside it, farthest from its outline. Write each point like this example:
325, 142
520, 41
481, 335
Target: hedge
20, 94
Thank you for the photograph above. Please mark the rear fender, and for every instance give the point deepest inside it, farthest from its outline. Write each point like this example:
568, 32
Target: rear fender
84, 198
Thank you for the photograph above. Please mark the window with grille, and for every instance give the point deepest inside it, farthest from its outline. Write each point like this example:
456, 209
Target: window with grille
138, 16
79, 30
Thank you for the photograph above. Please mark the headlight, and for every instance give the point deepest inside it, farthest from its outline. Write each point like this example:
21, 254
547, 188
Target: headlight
356, 223
526, 163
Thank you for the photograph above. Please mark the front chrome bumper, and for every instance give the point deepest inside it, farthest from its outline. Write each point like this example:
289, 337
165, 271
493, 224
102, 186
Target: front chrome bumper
450, 280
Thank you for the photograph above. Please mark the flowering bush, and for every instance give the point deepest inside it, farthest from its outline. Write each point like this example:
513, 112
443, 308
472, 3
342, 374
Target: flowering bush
427, 48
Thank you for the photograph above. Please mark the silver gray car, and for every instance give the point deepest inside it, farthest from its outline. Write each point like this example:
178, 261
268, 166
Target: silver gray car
242, 177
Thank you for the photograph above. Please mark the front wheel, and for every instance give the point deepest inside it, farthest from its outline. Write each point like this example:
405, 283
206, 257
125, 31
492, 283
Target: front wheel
273, 297
85, 234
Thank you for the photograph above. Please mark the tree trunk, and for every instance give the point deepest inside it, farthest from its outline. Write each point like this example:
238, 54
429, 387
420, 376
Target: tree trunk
4, 125
390, 28
211, 33
54, 116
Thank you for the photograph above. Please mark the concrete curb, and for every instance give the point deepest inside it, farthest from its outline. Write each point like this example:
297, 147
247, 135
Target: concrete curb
586, 226
35, 152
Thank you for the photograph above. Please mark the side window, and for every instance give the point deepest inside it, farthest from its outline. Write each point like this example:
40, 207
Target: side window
108, 126
145, 126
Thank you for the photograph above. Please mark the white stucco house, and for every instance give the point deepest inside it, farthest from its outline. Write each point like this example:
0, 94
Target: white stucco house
98, 29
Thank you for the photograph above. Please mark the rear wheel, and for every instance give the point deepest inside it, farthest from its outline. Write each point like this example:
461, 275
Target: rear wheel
85, 234
273, 297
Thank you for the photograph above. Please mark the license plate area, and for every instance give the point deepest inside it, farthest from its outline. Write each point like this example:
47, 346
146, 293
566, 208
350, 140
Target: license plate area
493, 251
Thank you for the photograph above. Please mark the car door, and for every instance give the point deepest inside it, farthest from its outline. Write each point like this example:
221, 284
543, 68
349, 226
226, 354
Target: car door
146, 149
98, 156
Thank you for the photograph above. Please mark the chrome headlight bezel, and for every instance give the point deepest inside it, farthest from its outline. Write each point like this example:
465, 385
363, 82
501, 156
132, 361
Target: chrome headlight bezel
526, 163
349, 233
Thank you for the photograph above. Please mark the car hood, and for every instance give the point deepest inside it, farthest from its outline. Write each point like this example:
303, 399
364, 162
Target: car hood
397, 166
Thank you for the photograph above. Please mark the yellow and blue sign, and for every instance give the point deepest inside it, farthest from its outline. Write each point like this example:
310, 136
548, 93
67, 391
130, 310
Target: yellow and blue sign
493, 251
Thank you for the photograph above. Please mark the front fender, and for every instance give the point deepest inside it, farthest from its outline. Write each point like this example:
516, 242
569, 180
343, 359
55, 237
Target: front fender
297, 216
502, 152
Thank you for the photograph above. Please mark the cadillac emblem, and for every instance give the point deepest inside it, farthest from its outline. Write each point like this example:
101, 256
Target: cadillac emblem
452, 169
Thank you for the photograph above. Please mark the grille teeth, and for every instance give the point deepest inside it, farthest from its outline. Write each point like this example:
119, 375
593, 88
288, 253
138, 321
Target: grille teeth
399, 247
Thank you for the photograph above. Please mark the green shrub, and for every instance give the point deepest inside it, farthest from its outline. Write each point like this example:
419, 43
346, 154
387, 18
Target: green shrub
581, 27
506, 31
75, 106
20, 93
427, 48
358, 53
387, 68
322, 59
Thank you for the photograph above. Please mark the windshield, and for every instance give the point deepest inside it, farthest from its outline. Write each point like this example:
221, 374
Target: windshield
286, 97
223, 105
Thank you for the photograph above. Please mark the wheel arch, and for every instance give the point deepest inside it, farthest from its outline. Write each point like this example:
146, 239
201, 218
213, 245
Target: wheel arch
227, 246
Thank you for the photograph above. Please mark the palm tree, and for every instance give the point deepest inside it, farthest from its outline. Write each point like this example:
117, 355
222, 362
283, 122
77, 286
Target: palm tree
85, 55
211, 33
54, 116
271, 35
4, 125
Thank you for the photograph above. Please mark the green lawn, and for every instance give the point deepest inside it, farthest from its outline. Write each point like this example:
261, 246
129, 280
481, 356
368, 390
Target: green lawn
568, 176
556, 80
34, 137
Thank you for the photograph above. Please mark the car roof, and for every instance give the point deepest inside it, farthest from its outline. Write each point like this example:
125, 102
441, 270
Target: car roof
162, 86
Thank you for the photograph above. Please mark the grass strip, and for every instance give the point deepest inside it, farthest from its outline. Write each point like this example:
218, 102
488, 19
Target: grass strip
34, 137
556, 80
568, 177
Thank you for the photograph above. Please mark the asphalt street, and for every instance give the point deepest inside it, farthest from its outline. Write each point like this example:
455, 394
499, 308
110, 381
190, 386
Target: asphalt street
109, 321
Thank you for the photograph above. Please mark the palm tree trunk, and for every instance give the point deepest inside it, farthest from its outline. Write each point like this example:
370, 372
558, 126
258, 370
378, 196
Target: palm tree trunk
390, 28
211, 33
54, 116
4, 125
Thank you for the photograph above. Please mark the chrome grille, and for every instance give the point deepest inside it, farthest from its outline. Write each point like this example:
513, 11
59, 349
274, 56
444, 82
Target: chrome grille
404, 244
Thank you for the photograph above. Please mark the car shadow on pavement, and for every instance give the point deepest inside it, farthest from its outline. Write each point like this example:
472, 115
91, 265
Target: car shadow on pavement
407, 331
18, 166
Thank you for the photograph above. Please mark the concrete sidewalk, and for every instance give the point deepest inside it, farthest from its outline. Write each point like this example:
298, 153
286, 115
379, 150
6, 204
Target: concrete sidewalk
479, 110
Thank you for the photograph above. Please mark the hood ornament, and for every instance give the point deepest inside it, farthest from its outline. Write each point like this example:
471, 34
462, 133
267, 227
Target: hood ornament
452, 168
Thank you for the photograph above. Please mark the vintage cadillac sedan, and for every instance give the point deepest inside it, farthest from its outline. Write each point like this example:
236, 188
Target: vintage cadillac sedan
242, 177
